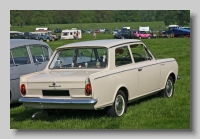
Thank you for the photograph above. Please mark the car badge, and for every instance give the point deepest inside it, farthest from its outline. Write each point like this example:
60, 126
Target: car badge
54, 85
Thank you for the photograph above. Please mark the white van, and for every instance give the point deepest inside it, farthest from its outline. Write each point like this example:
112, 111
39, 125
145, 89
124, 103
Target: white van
69, 34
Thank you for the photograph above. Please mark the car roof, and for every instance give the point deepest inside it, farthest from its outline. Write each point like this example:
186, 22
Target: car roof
21, 42
100, 43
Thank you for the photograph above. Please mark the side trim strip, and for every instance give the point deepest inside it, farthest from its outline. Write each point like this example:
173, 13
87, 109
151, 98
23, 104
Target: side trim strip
131, 69
14, 79
113, 73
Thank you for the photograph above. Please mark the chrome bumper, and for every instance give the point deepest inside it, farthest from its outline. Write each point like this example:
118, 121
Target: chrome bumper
46, 103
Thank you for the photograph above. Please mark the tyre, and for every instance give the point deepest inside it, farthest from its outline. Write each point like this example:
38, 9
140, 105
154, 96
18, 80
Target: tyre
41, 40
53, 39
168, 91
47, 40
119, 106
149, 37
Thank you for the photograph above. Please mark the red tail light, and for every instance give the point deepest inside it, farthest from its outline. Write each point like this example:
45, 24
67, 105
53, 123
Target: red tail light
88, 89
23, 89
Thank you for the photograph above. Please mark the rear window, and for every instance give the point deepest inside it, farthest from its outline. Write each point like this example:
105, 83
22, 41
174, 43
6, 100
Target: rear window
92, 57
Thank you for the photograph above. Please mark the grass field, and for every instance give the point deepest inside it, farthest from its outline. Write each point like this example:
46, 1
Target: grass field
150, 113
93, 26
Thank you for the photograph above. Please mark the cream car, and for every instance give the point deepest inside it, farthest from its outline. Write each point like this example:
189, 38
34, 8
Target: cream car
99, 74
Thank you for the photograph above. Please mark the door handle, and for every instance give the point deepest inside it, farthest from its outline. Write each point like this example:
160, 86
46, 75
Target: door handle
139, 69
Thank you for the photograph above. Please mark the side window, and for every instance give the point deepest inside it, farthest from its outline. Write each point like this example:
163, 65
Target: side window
139, 53
122, 56
37, 53
46, 53
20, 56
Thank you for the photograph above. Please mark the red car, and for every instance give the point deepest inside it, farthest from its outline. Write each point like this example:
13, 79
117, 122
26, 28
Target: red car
97, 31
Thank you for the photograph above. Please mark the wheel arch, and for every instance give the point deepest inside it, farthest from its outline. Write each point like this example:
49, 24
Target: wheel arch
172, 74
124, 89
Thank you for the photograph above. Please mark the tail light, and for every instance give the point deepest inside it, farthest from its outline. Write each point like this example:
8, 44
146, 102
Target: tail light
23, 89
88, 87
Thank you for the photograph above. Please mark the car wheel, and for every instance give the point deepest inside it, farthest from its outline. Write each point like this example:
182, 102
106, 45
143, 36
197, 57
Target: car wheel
47, 40
149, 37
122, 37
41, 40
119, 106
168, 91
53, 39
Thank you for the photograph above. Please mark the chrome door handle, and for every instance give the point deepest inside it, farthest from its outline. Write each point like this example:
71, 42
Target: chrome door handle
139, 69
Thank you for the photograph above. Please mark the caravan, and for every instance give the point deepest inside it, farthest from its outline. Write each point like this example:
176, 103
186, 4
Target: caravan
69, 34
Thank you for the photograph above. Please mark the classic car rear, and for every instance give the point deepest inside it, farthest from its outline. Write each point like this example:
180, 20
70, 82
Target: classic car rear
100, 74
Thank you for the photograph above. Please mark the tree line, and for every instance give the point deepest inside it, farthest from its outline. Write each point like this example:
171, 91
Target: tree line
43, 17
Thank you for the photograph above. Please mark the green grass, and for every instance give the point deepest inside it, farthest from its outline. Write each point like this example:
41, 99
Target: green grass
150, 113
93, 26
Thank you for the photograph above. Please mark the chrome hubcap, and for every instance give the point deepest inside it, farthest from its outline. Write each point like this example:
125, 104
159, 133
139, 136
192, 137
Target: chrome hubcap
169, 88
119, 105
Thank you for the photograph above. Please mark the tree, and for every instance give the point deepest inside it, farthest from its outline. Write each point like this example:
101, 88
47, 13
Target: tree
183, 17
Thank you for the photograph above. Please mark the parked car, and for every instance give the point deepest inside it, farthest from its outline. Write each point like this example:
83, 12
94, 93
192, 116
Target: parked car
99, 74
115, 31
33, 37
142, 34
153, 34
125, 34
82, 31
97, 31
58, 30
162, 33
17, 35
42, 37
53, 35
26, 56
48, 37
27, 35
89, 31
101, 30
107, 31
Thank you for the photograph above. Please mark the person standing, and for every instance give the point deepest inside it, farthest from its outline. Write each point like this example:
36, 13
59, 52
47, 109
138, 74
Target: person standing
77, 35
94, 35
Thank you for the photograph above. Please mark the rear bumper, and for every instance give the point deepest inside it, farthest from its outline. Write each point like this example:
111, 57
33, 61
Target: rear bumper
46, 103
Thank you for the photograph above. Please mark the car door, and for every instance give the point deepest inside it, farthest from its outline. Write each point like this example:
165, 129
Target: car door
20, 64
125, 70
40, 55
148, 70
